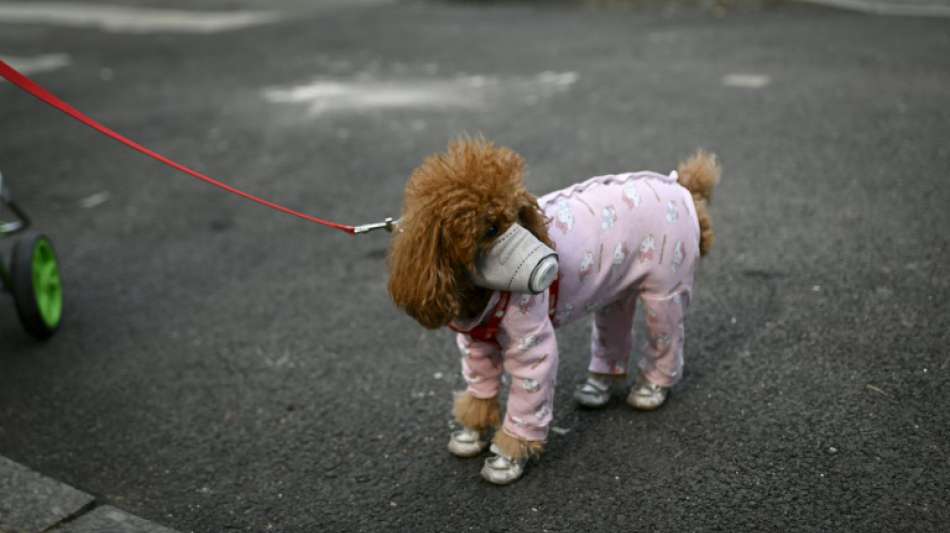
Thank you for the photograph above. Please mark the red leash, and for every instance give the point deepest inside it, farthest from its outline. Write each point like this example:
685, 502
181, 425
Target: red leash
31, 87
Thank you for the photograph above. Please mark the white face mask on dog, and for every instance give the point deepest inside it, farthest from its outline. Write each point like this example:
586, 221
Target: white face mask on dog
518, 262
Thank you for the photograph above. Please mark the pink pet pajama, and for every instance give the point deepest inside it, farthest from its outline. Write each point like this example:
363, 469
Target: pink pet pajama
619, 238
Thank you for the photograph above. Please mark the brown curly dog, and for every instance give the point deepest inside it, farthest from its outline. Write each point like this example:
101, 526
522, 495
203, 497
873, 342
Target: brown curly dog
457, 203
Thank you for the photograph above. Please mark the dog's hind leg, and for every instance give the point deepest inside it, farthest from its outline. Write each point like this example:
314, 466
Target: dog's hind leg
662, 361
611, 339
611, 346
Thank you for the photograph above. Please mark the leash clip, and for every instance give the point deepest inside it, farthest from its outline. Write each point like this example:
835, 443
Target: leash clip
386, 224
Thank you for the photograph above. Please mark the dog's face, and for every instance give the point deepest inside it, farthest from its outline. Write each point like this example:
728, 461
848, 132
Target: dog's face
456, 204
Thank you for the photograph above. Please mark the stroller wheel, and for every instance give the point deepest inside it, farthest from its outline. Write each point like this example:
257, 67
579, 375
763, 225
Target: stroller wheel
36, 285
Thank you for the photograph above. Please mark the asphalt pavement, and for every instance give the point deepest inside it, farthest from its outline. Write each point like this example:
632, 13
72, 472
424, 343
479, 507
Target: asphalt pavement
222, 367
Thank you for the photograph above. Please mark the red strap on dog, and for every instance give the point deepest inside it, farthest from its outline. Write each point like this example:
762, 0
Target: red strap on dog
31, 87
552, 299
488, 331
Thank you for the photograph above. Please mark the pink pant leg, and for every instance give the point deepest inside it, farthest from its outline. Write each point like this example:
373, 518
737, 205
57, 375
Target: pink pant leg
611, 337
662, 361
530, 407
481, 367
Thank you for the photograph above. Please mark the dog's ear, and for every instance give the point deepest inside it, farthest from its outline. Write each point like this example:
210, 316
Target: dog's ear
532, 217
422, 280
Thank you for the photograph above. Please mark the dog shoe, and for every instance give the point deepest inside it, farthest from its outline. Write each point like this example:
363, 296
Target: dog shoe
647, 396
502, 470
595, 392
466, 443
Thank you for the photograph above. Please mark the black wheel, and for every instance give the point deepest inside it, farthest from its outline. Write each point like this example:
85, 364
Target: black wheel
36, 285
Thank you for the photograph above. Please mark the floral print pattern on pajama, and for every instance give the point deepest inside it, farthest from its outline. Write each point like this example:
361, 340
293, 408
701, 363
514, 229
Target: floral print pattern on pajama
619, 238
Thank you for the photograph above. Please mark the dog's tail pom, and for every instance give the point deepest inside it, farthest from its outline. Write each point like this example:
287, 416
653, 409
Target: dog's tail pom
700, 174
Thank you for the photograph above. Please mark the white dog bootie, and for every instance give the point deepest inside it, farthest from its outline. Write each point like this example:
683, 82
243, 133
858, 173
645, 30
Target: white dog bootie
647, 396
466, 443
502, 470
595, 392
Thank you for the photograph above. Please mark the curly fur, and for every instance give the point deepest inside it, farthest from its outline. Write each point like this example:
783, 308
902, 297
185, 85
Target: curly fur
476, 413
516, 448
609, 378
700, 175
450, 203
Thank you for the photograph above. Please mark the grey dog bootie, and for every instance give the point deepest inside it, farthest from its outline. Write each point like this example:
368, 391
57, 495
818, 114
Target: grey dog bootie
502, 470
595, 392
466, 442
646, 396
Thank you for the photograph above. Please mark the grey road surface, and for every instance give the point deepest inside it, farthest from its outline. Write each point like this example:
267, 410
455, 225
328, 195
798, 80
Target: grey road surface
222, 367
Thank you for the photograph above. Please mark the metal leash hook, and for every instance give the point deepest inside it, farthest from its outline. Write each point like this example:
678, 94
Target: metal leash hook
388, 224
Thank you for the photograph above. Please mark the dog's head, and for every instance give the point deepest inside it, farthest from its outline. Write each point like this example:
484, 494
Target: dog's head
456, 204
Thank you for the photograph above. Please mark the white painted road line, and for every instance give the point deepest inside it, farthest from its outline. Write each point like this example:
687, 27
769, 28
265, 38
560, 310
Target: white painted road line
462, 92
746, 81
41, 63
122, 19
910, 8
94, 200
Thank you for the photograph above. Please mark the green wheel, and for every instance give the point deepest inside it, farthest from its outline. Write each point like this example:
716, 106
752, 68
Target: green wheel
37, 289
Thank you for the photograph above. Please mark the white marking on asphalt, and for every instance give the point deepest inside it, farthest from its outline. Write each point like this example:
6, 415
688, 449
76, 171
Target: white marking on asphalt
41, 63
329, 95
464, 92
746, 81
911, 8
123, 19
94, 200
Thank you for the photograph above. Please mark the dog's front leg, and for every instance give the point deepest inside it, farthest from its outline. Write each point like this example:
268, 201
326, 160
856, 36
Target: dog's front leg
530, 359
477, 416
476, 409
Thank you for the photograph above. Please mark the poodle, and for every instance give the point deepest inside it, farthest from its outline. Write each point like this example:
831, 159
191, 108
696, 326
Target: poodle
618, 239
